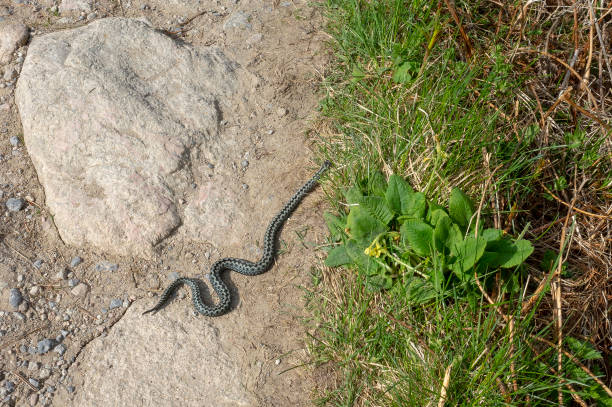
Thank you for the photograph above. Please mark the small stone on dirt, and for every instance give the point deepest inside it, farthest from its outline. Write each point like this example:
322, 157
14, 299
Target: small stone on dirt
60, 349
15, 297
107, 266
116, 303
70, 389
75, 261
15, 204
14, 140
45, 345
34, 382
44, 373
38, 263
80, 290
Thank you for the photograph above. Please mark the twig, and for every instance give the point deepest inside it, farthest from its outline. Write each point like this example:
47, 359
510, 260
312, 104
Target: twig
587, 68
468, 45
587, 113
601, 41
22, 336
562, 62
560, 99
24, 380
445, 384
607, 217
536, 295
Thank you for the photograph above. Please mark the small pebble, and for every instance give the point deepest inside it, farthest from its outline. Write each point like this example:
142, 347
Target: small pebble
19, 316
9, 386
51, 389
38, 263
14, 140
70, 389
244, 164
33, 365
116, 303
24, 306
73, 282
62, 274
64, 333
75, 261
34, 382
44, 373
80, 290
45, 345
107, 266
277, 362
60, 349
15, 204
34, 290
23, 349
15, 297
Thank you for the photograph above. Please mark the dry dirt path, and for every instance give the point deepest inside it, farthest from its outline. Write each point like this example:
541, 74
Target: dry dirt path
76, 336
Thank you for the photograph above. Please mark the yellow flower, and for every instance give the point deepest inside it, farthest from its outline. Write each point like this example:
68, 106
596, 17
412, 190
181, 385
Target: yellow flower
375, 251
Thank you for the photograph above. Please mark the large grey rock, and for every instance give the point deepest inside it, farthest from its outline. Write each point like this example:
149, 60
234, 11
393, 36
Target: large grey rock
112, 113
13, 35
159, 361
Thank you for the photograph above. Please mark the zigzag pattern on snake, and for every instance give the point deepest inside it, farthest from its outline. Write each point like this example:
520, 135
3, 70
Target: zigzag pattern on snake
241, 266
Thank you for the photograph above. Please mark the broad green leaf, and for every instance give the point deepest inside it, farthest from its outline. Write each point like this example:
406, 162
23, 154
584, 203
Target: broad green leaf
437, 278
460, 208
523, 249
415, 206
442, 232
420, 291
432, 208
335, 225
377, 184
363, 226
506, 254
404, 72
353, 195
377, 207
436, 216
491, 234
468, 253
418, 235
397, 193
337, 257
455, 238
365, 264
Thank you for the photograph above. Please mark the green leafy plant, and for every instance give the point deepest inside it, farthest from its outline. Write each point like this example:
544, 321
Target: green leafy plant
392, 233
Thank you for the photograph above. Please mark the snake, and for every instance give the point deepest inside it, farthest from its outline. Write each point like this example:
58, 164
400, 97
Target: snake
242, 266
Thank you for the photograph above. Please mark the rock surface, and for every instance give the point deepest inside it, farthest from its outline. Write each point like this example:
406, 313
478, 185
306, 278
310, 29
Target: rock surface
12, 35
111, 112
176, 363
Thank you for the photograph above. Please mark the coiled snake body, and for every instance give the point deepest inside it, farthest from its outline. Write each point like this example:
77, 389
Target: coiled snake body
241, 266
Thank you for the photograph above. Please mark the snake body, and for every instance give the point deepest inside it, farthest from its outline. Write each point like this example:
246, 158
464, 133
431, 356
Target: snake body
241, 266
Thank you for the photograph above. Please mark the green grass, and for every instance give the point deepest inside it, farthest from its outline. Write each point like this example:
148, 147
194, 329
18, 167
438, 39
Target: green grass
390, 352
401, 99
